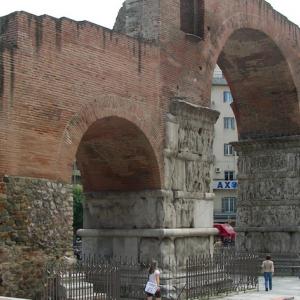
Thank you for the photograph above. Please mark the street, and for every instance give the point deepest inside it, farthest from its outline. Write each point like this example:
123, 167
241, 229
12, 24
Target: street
284, 288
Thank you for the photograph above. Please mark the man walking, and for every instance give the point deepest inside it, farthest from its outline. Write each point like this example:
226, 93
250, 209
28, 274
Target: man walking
268, 270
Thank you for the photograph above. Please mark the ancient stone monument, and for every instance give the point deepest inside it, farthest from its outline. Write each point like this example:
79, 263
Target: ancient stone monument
269, 193
132, 107
172, 222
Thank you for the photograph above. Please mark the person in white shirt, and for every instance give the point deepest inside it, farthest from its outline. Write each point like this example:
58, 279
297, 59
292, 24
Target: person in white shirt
268, 270
153, 276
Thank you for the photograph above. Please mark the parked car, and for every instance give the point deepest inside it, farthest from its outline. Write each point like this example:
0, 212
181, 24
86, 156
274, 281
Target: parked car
77, 248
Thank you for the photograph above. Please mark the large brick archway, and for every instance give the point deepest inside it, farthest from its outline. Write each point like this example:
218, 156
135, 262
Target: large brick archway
258, 50
120, 171
258, 65
117, 122
257, 59
115, 156
266, 100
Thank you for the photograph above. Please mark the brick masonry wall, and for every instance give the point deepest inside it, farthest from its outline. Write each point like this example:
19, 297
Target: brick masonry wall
58, 69
54, 69
249, 60
251, 42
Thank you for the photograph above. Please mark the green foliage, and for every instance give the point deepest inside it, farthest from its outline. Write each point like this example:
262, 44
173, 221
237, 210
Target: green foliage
78, 198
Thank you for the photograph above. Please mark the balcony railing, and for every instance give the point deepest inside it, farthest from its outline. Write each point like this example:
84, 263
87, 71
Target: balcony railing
220, 217
218, 78
218, 74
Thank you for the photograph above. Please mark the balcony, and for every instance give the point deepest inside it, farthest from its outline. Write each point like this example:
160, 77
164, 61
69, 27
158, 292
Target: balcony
224, 217
218, 78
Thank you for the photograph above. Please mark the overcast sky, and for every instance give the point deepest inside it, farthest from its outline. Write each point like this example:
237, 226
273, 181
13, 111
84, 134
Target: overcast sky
104, 12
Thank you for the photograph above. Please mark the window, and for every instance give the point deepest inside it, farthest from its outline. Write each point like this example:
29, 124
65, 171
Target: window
229, 175
227, 97
229, 123
76, 177
229, 204
192, 17
228, 150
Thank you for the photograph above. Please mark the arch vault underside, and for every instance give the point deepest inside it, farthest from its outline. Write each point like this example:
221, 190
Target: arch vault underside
266, 107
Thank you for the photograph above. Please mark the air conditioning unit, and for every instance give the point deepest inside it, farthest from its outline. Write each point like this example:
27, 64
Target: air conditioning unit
218, 170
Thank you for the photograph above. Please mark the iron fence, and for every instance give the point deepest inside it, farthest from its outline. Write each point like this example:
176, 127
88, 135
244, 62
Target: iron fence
97, 278
112, 279
133, 276
81, 281
226, 272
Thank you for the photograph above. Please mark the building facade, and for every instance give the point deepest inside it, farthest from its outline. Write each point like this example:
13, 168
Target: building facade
224, 174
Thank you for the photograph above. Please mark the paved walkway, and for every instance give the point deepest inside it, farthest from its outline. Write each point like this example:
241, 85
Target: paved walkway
283, 288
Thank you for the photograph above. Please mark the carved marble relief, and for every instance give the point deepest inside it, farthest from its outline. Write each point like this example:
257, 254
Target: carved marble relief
273, 189
189, 163
197, 176
244, 216
195, 140
269, 193
262, 163
293, 163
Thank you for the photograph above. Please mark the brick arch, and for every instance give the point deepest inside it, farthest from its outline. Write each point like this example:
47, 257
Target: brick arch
131, 117
260, 72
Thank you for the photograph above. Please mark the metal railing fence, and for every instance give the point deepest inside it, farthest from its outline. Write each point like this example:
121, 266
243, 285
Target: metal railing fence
81, 281
226, 272
96, 278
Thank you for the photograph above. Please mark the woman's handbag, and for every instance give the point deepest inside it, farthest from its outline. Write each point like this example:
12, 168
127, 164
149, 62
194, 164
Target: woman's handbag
151, 288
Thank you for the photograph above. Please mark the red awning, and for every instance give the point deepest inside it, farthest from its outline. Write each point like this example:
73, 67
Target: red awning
226, 230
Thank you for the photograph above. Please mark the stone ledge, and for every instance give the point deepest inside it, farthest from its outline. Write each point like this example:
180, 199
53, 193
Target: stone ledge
183, 155
8, 298
263, 203
186, 155
153, 193
181, 107
150, 233
194, 195
275, 143
269, 229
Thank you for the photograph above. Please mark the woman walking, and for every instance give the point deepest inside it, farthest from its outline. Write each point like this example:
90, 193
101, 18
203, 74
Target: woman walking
153, 277
268, 270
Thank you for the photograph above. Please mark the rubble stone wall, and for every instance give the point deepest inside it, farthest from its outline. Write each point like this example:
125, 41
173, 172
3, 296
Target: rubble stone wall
139, 19
36, 226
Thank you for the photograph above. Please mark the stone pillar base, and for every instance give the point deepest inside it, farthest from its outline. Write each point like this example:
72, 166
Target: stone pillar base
280, 240
166, 245
269, 193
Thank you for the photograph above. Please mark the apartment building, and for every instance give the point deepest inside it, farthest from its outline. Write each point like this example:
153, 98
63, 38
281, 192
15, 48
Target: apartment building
224, 174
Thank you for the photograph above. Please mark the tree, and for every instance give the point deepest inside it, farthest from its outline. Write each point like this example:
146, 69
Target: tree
78, 198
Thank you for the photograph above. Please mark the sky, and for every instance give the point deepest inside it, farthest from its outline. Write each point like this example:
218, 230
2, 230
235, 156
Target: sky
104, 12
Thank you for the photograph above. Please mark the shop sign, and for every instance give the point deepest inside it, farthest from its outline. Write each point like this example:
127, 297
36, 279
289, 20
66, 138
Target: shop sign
225, 185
